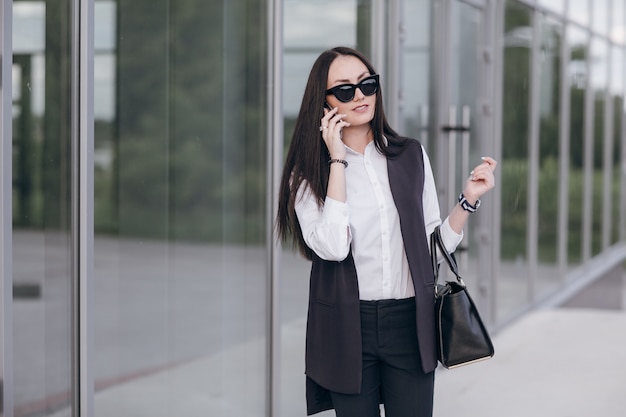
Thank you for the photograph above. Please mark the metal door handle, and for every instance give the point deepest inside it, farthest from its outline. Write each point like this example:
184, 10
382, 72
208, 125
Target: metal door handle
455, 129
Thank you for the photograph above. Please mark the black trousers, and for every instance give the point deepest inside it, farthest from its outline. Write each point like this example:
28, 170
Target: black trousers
392, 371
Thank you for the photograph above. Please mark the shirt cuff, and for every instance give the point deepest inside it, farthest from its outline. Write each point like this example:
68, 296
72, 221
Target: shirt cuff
451, 239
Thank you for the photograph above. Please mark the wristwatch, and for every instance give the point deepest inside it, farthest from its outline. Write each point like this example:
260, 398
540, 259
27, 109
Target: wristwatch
466, 205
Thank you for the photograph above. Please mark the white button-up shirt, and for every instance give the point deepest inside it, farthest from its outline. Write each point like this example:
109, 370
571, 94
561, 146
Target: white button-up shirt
368, 222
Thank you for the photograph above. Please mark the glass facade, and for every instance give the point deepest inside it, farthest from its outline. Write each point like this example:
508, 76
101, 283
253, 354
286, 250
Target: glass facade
188, 306
43, 279
180, 208
577, 81
514, 174
549, 116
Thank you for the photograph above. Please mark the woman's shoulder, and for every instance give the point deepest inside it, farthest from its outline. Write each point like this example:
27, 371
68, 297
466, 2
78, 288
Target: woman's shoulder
399, 145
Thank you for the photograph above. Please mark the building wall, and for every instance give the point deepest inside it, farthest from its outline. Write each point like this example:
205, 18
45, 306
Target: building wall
142, 143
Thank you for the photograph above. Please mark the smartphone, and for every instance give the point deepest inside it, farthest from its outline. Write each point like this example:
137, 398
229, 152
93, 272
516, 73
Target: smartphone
327, 106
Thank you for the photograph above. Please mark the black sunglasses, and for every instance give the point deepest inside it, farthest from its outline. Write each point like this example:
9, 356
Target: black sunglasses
345, 92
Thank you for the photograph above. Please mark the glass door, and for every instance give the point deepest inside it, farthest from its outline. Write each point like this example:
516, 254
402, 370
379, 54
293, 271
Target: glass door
43, 305
306, 30
460, 135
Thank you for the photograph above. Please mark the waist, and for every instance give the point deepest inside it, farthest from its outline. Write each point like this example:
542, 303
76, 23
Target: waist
399, 304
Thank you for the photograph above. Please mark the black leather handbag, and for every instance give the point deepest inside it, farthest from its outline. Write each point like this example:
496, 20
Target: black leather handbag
462, 338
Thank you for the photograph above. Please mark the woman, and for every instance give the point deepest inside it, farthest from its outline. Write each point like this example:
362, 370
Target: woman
359, 201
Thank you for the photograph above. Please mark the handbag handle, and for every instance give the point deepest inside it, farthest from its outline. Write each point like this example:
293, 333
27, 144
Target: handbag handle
437, 242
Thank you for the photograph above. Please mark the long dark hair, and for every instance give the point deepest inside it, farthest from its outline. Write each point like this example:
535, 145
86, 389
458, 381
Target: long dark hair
307, 158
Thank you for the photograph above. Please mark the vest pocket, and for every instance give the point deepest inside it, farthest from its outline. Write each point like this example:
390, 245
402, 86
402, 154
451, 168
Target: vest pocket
324, 303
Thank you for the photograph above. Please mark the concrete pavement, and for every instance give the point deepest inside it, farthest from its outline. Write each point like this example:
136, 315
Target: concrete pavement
550, 363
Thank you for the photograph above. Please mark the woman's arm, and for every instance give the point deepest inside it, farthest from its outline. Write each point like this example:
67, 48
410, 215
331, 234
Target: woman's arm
331, 125
480, 180
452, 226
325, 229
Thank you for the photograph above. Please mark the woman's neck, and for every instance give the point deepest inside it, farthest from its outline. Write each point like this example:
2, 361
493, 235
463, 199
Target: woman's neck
358, 137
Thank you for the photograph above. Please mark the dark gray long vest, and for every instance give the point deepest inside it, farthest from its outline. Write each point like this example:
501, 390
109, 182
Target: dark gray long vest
333, 336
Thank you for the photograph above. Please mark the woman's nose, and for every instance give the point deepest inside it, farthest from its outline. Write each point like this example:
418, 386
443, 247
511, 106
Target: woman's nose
358, 95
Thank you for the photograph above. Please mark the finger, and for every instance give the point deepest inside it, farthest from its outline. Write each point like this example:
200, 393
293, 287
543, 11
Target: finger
486, 180
480, 174
334, 121
337, 118
337, 126
328, 114
333, 124
485, 167
492, 163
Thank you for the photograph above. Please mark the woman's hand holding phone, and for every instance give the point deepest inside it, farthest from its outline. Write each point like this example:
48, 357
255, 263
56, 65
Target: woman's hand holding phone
331, 125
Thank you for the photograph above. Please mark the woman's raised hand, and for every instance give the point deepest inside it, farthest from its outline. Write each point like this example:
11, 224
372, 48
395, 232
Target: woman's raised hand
330, 126
480, 180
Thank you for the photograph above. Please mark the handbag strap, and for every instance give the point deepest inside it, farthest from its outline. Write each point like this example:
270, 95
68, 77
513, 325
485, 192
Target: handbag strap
436, 242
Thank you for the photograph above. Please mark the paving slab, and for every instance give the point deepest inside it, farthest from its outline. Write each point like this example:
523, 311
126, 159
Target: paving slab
551, 363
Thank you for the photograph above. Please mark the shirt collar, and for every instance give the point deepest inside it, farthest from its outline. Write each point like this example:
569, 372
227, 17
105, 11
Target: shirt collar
369, 146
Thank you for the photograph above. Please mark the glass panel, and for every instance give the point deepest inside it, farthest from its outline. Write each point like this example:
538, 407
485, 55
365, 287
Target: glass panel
180, 208
306, 34
306, 30
577, 71
599, 84
554, 5
464, 86
416, 64
549, 134
618, 28
518, 34
579, 11
600, 11
42, 256
617, 96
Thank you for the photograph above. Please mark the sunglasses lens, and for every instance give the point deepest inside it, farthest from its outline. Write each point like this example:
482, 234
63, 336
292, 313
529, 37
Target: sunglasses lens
344, 93
368, 86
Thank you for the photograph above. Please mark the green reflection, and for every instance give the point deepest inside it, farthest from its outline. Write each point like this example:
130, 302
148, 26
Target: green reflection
188, 140
577, 70
515, 130
599, 73
549, 139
